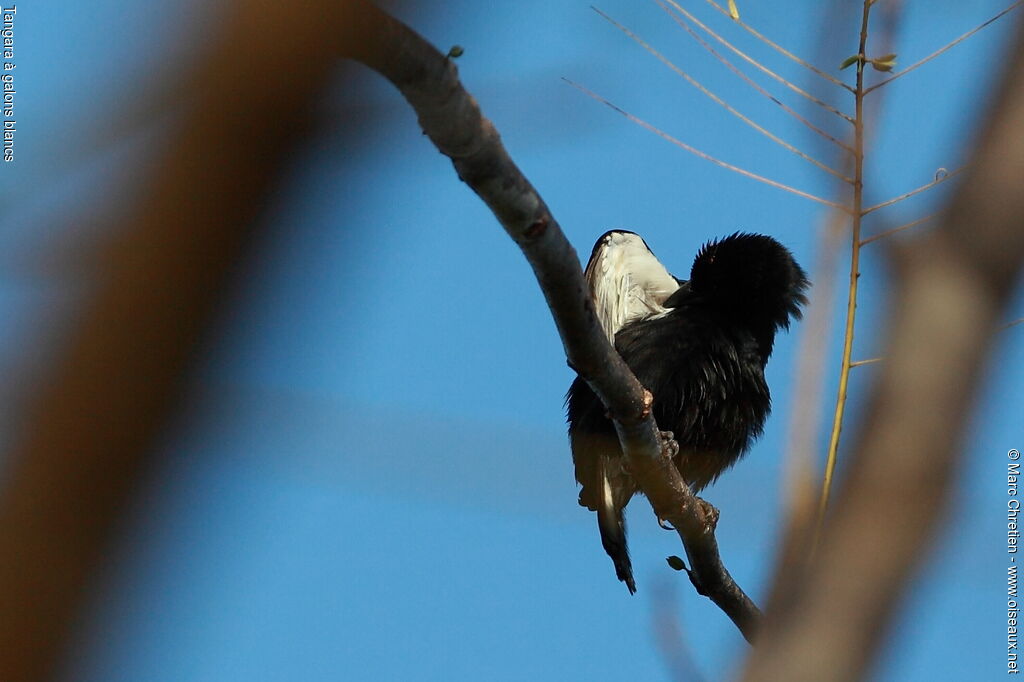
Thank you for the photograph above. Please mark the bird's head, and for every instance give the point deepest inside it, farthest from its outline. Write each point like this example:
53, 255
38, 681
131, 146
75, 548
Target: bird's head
750, 278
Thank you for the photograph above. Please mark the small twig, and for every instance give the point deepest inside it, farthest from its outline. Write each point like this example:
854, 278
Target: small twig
944, 48
1014, 323
781, 50
708, 157
751, 82
905, 226
869, 361
718, 100
922, 188
753, 62
851, 305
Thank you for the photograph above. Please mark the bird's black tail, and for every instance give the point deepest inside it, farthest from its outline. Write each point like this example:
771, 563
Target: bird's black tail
612, 525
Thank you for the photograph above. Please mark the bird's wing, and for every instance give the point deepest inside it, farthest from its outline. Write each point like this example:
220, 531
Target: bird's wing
626, 281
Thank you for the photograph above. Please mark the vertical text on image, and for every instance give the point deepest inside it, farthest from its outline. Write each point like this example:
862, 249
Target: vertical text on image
10, 124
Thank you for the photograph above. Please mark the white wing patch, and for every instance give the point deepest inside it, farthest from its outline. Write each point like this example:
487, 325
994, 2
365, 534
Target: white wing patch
626, 281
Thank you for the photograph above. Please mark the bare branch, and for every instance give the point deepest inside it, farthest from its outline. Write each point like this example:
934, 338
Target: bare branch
869, 361
750, 60
707, 157
922, 188
1014, 323
781, 50
900, 228
453, 122
944, 48
718, 100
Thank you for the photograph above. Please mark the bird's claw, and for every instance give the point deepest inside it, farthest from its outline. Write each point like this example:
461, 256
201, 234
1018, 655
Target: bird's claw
711, 514
669, 446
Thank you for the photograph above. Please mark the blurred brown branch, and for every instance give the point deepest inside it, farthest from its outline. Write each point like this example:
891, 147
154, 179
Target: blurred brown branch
826, 620
89, 428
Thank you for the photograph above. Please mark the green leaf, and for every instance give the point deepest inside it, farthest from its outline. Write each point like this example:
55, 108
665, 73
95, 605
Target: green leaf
676, 563
849, 61
884, 63
455, 52
733, 11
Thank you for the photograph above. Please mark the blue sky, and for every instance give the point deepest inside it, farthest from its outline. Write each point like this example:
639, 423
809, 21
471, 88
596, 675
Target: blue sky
372, 479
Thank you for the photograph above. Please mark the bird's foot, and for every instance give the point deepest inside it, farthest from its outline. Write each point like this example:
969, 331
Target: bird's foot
710, 513
669, 446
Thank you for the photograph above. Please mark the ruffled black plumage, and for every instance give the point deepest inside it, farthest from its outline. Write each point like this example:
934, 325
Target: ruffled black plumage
703, 359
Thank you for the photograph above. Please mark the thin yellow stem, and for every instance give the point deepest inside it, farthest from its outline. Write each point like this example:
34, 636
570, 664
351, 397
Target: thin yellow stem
721, 102
851, 306
736, 169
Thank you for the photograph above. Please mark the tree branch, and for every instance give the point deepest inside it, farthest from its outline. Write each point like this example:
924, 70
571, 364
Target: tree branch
452, 120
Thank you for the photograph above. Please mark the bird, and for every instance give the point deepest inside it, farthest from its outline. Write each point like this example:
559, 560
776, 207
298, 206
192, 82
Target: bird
700, 346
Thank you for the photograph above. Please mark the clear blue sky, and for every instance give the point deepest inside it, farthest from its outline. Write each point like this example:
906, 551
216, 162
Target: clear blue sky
372, 480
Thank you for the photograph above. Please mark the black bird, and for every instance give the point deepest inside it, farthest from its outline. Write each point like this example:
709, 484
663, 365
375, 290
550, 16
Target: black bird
699, 346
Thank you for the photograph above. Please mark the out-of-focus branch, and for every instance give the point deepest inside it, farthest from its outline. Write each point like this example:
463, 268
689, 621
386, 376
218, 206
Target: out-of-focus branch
89, 427
452, 120
826, 620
